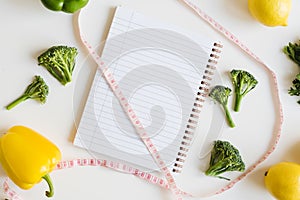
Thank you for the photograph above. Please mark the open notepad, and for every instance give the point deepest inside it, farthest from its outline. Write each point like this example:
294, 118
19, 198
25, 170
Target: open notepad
164, 73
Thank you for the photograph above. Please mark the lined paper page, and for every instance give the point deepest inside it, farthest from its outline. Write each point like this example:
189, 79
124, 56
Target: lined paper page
159, 69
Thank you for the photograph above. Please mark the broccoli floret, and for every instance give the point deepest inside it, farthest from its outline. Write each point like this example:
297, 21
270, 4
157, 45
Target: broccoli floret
221, 94
224, 157
243, 83
60, 62
37, 90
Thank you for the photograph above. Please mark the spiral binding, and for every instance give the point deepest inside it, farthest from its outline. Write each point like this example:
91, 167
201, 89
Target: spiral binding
198, 104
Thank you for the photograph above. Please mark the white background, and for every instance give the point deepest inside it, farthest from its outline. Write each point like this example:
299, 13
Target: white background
27, 28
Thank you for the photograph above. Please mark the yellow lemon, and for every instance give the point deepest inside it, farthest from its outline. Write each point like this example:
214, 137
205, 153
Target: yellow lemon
283, 181
270, 12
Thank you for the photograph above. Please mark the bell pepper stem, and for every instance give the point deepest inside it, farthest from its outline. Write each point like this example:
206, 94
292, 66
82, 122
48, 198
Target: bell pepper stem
47, 178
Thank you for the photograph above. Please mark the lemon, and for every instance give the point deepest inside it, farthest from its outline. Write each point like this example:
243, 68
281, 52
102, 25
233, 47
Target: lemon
270, 12
283, 181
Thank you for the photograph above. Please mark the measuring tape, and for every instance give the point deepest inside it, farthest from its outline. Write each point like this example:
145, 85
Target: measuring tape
278, 106
169, 182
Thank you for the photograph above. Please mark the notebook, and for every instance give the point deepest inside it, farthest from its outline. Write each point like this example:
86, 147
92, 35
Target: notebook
164, 72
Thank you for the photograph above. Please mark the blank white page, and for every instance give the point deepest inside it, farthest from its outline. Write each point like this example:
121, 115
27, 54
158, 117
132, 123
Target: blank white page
159, 69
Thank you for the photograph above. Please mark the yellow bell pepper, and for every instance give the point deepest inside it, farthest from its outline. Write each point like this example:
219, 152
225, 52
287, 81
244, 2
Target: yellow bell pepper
27, 157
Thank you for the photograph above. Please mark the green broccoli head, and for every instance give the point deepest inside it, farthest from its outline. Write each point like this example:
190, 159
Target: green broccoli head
243, 83
60, 62
221, 94
37, 90
224, 158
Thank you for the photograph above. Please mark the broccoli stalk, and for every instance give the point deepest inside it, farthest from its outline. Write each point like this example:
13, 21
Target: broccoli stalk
37, 90
60, 62
243, 83
224, 157
221, 94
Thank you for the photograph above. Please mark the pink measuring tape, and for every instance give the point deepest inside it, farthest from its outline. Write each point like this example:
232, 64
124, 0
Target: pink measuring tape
169, 182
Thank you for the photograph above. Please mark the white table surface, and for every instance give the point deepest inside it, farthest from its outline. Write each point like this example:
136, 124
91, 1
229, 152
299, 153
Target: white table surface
27, 28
